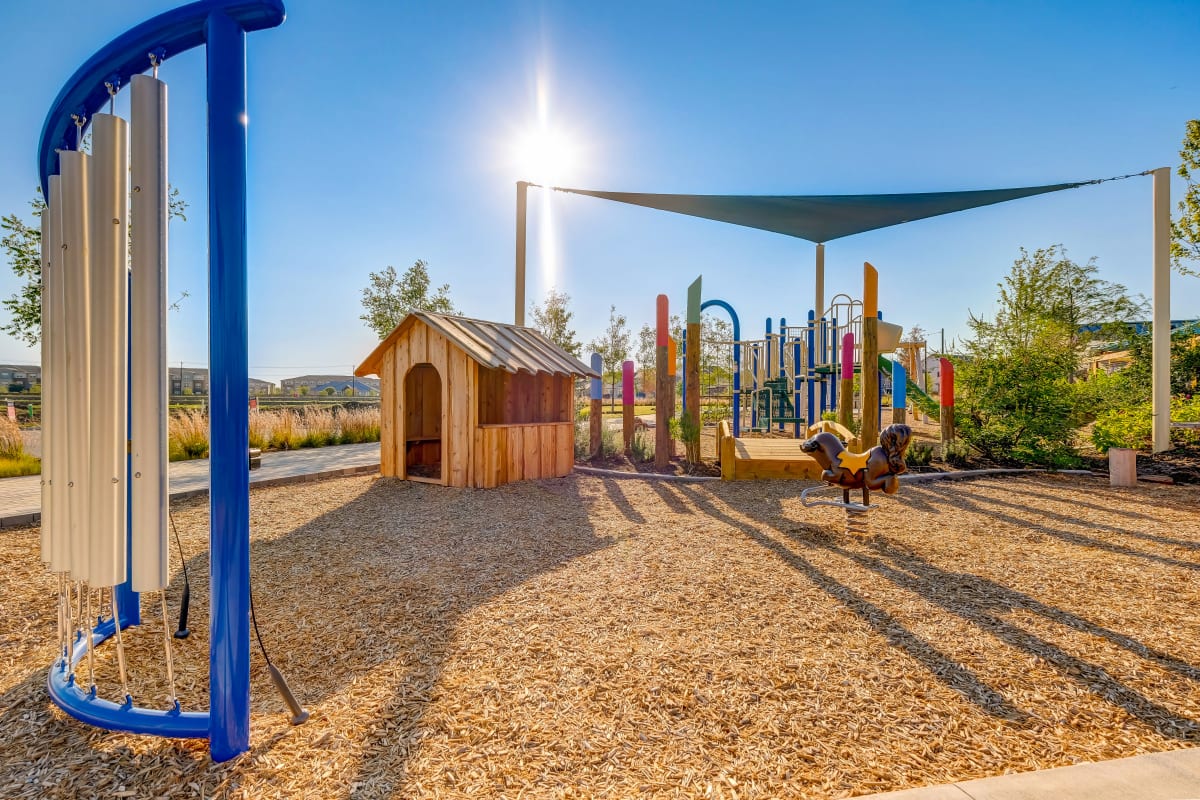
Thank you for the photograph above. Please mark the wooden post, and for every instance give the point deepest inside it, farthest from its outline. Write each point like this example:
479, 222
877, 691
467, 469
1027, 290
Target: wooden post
627, 398
846, 383
726, 448
946, 398
693, 369
869, 376
662, 387
596, 418
1122, 467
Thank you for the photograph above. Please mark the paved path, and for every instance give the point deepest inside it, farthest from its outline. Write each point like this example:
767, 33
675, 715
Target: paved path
1174, 775
21, 498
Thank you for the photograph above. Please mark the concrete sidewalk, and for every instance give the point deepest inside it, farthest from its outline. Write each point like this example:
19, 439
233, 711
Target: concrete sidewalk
21, 498
1174, 775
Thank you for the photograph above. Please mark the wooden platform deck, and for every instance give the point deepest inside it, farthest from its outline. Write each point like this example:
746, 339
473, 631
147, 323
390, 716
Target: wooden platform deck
756, 459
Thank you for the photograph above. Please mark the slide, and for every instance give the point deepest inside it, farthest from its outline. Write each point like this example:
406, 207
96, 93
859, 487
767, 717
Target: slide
915, 394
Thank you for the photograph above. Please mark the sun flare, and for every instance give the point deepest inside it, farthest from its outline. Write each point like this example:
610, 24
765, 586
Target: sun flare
545, 155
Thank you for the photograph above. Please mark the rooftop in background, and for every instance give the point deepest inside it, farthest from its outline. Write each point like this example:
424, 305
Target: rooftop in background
1139, 328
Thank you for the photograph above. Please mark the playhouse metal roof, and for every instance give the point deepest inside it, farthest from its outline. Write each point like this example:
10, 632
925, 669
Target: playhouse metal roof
512, 348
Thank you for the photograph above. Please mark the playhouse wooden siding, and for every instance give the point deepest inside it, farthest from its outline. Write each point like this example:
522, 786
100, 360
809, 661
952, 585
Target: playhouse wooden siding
493, 426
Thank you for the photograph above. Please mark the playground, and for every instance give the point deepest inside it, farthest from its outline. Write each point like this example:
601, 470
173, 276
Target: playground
611, 638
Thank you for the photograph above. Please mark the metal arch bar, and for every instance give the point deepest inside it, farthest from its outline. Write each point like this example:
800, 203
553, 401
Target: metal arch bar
85, 707
175, 31
737, 362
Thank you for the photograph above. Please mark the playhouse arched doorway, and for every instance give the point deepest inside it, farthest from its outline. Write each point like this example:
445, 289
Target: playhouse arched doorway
423, 424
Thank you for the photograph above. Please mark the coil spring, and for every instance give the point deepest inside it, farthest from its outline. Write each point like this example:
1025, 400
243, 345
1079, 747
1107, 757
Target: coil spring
858, 522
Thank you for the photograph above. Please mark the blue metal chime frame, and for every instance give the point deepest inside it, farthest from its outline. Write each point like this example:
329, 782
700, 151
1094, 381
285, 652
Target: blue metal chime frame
220, 25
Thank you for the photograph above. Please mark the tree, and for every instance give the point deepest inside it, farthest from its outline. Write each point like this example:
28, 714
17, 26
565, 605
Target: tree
647, 350
1185, 232
1047, 294
22, 243
613, 347
389, 299
552, 319
1016, 399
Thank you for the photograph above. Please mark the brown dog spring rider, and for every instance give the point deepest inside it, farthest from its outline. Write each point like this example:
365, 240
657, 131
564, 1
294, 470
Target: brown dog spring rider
877, 469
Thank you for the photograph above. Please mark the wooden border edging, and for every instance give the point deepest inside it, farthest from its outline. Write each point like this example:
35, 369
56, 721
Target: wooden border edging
966, 474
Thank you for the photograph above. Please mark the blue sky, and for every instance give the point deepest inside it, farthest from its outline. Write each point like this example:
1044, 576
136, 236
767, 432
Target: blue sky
381, 133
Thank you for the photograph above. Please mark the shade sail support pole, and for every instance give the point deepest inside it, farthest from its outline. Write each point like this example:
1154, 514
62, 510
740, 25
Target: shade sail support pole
1161, 334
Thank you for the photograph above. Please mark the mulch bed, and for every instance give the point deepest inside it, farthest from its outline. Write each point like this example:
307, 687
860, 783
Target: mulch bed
598, 638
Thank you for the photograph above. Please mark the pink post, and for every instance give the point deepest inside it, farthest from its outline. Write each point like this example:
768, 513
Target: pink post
662, 321
627, 398
848, 357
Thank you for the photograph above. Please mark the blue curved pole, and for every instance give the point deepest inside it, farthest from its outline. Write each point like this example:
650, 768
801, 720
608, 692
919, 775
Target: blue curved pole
170, 33
737, 362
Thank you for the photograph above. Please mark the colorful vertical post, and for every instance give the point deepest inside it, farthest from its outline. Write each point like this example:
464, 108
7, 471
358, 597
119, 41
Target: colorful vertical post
672, 358
692, 375
846, 390
596, 412
662, 384
627, 398
899, 393
946, 398
869, 372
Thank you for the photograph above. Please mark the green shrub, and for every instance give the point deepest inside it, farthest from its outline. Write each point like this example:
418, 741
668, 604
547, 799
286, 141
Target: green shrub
919, 455
956, 452
642, 446
1011, 408
583, 438
610, 444
16, 466
288, 433
357, 425
712, 414
1134, 427
187, 435
11, 443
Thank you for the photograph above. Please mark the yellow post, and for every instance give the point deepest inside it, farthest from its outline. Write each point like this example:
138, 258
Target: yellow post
869, 433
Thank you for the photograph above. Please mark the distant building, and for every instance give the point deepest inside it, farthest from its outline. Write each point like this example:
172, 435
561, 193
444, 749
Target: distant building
19, 377
194, 380
180, 380
314, 383
358, 386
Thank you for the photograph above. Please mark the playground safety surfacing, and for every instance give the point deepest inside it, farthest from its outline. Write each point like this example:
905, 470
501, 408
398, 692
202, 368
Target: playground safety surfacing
588, 637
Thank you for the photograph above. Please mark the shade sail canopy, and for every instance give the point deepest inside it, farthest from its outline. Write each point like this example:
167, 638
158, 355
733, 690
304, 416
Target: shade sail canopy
822, 218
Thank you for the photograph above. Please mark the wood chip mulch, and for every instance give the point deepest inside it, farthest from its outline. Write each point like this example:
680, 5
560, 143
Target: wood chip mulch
596, 638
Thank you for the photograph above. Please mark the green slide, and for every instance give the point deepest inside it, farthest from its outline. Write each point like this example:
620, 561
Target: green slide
915, 394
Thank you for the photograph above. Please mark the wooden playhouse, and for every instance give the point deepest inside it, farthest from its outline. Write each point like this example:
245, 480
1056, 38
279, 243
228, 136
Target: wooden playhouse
474, 403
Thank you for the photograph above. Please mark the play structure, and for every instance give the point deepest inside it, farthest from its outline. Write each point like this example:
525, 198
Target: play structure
824, 218
104, 492
472, 403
